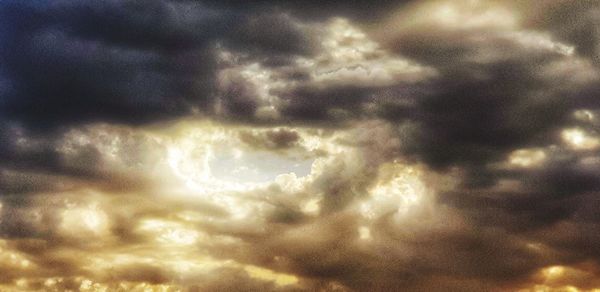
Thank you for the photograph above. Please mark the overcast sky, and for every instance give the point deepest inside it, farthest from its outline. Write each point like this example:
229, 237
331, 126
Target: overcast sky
179, 145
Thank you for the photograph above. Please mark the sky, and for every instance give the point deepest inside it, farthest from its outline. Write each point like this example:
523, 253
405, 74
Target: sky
180, 145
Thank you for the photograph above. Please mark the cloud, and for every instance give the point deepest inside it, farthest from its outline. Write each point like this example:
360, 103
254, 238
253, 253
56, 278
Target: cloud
343, 79
430, 145
71, 62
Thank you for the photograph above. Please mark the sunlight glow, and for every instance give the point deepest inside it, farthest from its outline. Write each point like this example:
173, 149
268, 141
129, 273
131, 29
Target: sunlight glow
364, 233
207, 161
460, 15
553, 272
312, 206
527, 157
13, 259
269, 275
84, 221
580, 140
169, 232
584, 115
352, 57
398, 192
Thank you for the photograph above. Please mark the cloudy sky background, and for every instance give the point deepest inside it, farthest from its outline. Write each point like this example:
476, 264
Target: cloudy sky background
300, 145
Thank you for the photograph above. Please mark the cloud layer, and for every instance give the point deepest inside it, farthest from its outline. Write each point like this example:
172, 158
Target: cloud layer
299, 146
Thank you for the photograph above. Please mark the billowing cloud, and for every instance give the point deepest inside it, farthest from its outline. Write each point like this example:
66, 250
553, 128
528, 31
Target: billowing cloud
299, 146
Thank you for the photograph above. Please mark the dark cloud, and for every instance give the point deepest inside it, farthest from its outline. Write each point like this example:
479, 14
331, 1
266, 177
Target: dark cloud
494, 96
574, 22
272, 33
69, 62
310, 103
274, 139
74, 62
365, 11
480, 109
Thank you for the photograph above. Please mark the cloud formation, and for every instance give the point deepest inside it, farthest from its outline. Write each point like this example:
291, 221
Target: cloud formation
299, 146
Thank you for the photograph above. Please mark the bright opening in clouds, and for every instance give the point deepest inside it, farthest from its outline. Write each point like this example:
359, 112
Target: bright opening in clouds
200, 145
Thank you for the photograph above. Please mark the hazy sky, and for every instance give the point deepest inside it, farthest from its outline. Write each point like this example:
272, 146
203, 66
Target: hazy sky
179, 145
